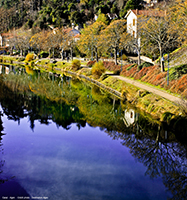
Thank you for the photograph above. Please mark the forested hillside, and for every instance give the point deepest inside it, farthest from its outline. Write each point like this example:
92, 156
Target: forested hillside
41, 13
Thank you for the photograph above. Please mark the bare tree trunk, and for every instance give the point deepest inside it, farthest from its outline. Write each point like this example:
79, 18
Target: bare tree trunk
49, 52
21, 52
115, 55
71, 53
139, 60
161, 62
62, 54
96, 55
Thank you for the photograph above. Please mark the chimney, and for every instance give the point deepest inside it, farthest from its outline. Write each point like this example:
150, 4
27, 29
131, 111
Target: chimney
136, 11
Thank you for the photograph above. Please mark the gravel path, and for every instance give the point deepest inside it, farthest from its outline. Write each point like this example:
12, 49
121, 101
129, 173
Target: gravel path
151, 89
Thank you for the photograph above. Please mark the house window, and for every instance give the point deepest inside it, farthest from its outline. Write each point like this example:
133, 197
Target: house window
133, 33
131, 115
133, 22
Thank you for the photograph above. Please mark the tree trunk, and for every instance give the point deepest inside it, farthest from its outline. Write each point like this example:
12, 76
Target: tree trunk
96, 55
11, 50
49, 52
62, 54
115, 55
71, 53
161, 62
139, 49
139, 60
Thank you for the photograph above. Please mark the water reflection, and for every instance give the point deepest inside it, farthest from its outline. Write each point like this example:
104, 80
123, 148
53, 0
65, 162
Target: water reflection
47, 96
164, 159
2, 180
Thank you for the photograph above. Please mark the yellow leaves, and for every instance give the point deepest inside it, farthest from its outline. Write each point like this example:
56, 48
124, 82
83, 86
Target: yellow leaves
38, 39
98, 69
102, 18
178, 14
91, 37
114, 33
84, 2
29, 57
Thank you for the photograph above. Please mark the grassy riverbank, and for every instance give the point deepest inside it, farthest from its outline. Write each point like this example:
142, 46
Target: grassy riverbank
158, 107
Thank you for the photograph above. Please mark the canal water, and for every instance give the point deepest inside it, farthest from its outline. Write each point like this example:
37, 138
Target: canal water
62, 138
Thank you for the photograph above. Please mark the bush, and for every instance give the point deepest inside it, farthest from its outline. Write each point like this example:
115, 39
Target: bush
76, 64
117, 72
177, 71
130, 67
124, 57
98, 69
144, 64
104, 76
91, 63
44, 54
32, 63
29, 57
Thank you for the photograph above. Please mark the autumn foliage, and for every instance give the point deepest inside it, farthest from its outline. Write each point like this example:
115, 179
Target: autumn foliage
154, 76
98, 69
76, 65
29, 57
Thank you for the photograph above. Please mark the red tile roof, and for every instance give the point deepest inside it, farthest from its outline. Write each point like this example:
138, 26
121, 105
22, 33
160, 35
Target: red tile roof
149, 13
7, 35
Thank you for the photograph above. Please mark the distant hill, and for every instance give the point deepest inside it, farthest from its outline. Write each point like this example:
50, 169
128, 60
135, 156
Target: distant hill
41, 13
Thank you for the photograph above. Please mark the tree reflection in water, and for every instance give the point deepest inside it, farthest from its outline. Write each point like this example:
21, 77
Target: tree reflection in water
46, 97
162, 158
1, 150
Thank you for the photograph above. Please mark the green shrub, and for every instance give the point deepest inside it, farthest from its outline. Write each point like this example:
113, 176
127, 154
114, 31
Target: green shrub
124, 57
167, 116
32, 63
44, 54
98, 69
130, 67
20, 59
177, 71
104, 76
29, 57
144, 64
76, 65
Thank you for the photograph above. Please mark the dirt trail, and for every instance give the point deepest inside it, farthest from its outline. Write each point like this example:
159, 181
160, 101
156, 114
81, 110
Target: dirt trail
151, 89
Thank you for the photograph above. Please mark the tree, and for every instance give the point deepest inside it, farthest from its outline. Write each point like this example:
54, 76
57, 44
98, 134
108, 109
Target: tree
134, 43
52, 41
70, 42
38, 41
113, 37
62, 40
161, 33
131, 4
178, 14
102, 18
90, 39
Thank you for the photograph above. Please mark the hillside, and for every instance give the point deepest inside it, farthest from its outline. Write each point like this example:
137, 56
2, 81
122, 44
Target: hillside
34, 13
178, 57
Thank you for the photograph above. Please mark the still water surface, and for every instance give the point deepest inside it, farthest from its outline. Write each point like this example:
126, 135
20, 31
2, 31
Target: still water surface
82, 146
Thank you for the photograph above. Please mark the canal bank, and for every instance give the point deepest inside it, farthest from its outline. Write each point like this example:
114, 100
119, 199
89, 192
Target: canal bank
146, 98
157, 106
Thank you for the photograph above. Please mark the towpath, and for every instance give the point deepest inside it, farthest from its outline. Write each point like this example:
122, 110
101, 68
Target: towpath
152, 90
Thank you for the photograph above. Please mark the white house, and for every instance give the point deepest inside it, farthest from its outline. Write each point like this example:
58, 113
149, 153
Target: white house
4, 39
133, 16
129, 117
